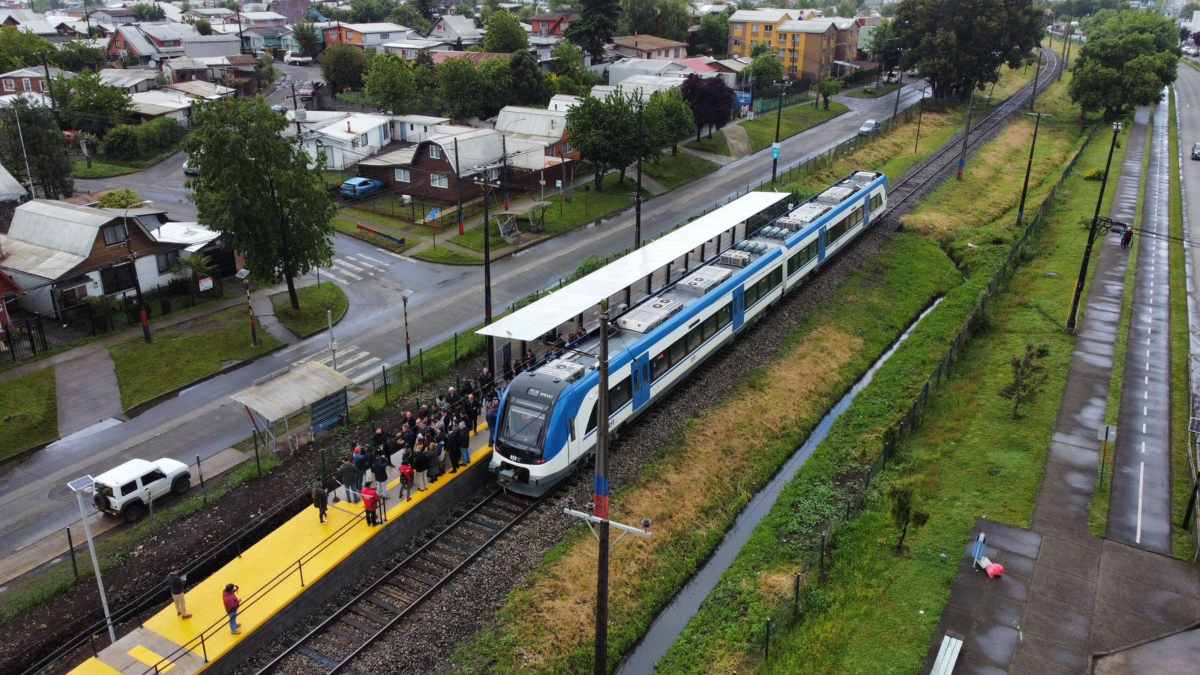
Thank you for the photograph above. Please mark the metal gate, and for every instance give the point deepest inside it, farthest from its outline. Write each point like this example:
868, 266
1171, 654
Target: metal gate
22, 338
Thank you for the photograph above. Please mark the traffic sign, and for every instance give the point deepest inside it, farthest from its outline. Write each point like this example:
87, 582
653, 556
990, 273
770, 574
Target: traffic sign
774, 151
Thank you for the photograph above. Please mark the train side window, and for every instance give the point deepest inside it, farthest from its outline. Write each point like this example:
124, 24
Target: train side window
776, 276
724, 315
876, 202
591, 423
856, 217
693, 339
679, 351
710, 326
619, 395
795, 262
659, 365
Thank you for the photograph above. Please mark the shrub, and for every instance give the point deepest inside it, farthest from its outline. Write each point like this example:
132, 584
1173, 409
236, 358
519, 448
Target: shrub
121, 142
139, 141
1095, 174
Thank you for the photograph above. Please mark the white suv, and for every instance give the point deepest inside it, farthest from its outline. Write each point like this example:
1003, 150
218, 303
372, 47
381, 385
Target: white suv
128, 490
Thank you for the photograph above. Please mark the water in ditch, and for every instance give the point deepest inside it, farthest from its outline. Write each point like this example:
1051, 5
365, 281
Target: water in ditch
671, 621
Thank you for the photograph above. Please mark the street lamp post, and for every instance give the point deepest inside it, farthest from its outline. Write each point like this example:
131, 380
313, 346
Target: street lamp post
899, 88
775, 150
79, 486
637, 195
1036, 75
920, 116
487, 274
1087, 251
962, 156
407, 341
1028, 168
143, 315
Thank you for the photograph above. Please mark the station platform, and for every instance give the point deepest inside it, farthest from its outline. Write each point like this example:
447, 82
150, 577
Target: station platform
271, 575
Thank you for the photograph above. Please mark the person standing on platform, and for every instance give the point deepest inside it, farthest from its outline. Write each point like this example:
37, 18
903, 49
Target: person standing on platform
370, 503
406, 479
464, 443
453, 453
420, 465
320, 500
177, 582
379, 467
230, 598
346, 474
493, 410
471, 412
362, 464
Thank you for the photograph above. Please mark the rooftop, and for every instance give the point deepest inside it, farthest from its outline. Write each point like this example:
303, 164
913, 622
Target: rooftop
765, 15
646, 42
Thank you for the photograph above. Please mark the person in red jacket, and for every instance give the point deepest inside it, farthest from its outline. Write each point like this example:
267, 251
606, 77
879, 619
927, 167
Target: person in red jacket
370, 497
230, 598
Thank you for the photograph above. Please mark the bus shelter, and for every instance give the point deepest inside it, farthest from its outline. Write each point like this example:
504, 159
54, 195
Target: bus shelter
310, 388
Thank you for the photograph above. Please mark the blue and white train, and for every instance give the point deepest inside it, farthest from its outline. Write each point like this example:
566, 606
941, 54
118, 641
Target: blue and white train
547, 418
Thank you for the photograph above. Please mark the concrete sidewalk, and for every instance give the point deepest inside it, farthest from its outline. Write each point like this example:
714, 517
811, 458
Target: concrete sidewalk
86, 390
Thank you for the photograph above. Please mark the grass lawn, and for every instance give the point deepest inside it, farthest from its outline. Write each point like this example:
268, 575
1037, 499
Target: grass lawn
106, 169
715, 145
28, 412
795, 119
446, 256
1183, 543
350, 228
675, 170
183, 354
314, 301
872, 91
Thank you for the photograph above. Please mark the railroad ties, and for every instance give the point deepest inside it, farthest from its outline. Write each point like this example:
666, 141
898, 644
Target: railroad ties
353, 627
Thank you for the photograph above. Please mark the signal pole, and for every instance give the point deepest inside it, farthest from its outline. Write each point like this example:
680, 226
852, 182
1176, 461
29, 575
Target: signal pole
637, 196
1087, 251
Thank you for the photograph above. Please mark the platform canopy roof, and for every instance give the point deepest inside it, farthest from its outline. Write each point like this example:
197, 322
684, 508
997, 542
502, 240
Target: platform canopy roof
540, 317
278, 396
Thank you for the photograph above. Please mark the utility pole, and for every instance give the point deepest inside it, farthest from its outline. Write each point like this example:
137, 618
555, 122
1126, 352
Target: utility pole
920, 116
242, 37
24, 154
1087, 251
1036, 75
407, 341
600, 503
487, 275
1028, 168
899, 88
50, 85
79, 486
962, 156
458, 185
504, 170
637, 196
143, 315
296, 113
332, 340
775, 149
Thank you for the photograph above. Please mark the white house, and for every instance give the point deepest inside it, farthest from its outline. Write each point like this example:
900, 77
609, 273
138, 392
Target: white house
453, 27
415, 128
564, 102
410, 48
162, 103
347, 141
131, 80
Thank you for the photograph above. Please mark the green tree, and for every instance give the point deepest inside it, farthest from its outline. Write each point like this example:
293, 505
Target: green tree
19, 49
885, 46
766, 70
88, 104
408, 15
261, 190
1128, 58
264, 71
504, 34
957, 44
145, 11
828, 88
370, 11
571, 75
120, 198
1029, 377
713, 35
391, 84
495, 86
1187, 10
49, 165
309, 39
342, 67
424, 8
596, 25
673, 117
76, 56
906, 511
528, 82
203, 27
710, 99
606, 133
458, 88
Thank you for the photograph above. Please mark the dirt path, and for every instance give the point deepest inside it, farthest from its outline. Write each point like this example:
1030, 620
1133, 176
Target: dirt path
738, 140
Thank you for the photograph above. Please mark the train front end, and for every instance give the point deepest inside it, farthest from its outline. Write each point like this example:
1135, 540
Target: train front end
533, 425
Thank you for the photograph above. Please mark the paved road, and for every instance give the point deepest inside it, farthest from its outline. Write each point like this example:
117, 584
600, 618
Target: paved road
1140, 503
202, 421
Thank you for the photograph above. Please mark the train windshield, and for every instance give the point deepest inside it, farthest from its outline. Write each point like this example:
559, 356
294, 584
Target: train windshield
523, 423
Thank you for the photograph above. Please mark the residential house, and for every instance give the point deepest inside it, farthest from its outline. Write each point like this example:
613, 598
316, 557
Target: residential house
643, 86
552, 24
537, 127
543, 48
620, 71
213, 15
29, 98
410, 48
184, 69
457, 30
114, 16
262, 20
62, 254
32, 80
252, 42
131, 80
809, 47
476, 57
296, 11
438, 167
564, 102
197, 239
649, 47
31, 22
707, 66
415, 128
366, 35
217, 44
350, 140
150, 42
202, 90
148, 105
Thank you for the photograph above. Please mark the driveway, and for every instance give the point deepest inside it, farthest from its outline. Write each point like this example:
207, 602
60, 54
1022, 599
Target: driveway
202, 421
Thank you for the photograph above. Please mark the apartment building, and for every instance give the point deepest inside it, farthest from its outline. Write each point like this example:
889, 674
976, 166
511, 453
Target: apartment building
808, 46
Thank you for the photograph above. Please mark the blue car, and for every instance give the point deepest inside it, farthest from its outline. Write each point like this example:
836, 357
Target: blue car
361, 188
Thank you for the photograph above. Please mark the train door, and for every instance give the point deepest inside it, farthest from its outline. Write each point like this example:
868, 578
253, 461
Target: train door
640, 372
739, 307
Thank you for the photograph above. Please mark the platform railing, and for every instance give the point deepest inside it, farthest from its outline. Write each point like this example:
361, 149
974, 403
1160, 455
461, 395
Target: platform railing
293, 569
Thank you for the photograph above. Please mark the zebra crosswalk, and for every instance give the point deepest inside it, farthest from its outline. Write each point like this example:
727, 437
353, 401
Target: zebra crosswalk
353, 361
348, 269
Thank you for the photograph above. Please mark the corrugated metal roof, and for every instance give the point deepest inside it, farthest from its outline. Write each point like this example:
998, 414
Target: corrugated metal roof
126, 77
38, 261
394, 158
192, 235
760, 15
476, 148
58, 225
354, 126
158, 101
201, 89
168, 30
138, 42
540, 317
531, 121
293, 390
10, 188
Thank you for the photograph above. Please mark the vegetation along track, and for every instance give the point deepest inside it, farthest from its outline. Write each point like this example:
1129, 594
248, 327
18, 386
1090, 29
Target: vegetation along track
425, 622
373, 612
926, 174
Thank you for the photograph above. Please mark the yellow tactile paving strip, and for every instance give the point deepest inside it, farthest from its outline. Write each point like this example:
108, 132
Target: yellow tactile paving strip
267, 562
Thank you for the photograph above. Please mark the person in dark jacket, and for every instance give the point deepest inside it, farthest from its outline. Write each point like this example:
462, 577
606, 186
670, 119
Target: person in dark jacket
362, 464
177, 584
471, 413
464, 443
379, 438
346, 475
420, 465
379, 467
320, 499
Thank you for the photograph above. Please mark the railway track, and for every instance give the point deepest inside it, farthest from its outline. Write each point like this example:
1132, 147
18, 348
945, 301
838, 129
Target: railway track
354, 626
929, 170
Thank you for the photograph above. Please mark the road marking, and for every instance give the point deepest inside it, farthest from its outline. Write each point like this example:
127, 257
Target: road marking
343, 364
371, 265
1143, 447
1147, 378
367, 257
1143, 427
345, 273
1146, 394
360, 368
335, 277
395, 255
1141, 485
1145, 411
342, 262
